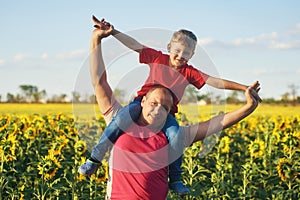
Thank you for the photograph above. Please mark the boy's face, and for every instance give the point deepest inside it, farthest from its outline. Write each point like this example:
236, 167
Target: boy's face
179, 54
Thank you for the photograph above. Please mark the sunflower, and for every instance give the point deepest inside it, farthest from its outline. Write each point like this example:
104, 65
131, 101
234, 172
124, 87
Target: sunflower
291, 140
102, 173
2, 154
285, 170
12, 155
4, 122
48, 166
275, 137
224, 144
30, 133
297, 138
80, 147
58, 116
54, 152
80, 177
257, 148
6, 156
15, 129
8, 149
61, 140
23, 123
58, 145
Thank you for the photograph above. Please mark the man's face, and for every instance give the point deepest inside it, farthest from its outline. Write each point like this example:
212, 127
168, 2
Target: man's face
179, 54
156, 107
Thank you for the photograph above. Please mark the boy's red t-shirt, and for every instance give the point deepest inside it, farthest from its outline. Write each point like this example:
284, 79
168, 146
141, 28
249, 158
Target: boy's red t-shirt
161, 73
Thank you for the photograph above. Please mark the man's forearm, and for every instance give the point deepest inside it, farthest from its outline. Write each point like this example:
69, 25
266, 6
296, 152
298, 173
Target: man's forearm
96, 61
221, 122
237, 115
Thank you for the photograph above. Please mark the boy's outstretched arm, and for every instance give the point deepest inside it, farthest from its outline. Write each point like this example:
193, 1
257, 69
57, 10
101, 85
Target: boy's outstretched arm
224, 84
128, 41
229, 85
223, 121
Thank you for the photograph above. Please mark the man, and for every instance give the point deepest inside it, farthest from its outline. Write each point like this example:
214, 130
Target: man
139, 158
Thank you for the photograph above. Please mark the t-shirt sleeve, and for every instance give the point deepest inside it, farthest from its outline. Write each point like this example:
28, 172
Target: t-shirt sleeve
197, 78
149, 55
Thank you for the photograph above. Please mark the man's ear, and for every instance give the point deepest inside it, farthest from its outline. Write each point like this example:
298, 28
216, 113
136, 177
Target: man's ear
192, 54
143, 101
169, 47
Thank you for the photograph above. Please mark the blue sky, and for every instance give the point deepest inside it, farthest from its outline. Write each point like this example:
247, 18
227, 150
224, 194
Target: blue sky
46, 43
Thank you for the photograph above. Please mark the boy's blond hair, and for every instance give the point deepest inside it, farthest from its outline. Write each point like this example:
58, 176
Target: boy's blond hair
185, 36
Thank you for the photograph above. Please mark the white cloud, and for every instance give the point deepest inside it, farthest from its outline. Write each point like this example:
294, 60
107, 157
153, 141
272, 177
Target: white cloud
285, 45
294, 31
289, 39
279, 45
2, 61
257, 71
44, 56
243, 41
268, 36
205, 41
20, 57
260, 40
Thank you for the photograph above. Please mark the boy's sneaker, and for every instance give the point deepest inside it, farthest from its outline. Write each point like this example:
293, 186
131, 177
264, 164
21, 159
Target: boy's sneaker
88, 168
179, 188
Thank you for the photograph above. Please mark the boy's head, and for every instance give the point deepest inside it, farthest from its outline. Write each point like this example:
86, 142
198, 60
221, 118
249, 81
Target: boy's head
186, 37
181, 47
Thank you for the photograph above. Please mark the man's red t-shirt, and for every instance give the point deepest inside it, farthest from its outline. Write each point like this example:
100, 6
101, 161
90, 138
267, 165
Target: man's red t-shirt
138, 166
161, 73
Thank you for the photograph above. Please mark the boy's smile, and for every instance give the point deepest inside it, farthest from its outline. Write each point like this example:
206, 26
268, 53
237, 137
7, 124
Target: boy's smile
179, 54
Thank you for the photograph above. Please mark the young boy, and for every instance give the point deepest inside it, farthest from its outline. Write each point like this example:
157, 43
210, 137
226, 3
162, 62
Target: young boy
171, 71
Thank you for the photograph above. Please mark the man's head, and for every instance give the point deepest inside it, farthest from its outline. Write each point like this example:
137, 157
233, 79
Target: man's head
156, 105
181, 47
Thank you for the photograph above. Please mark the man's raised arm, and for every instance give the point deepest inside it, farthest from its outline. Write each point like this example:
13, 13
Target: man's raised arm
223, 121
102, 89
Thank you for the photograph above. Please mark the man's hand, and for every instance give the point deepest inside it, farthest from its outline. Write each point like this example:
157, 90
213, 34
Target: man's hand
102, 28
254, 89
251, 94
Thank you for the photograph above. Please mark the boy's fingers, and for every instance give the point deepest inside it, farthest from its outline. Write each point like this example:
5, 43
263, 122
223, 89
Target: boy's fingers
101, 24
256, 84
95, 19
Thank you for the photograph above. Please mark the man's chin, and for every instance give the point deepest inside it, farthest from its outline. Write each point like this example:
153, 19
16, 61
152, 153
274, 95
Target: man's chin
156, 124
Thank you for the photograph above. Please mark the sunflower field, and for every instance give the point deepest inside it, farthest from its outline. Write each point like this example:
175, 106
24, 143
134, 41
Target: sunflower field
258, 158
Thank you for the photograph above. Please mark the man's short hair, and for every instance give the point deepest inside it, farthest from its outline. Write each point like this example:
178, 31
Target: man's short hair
167, 90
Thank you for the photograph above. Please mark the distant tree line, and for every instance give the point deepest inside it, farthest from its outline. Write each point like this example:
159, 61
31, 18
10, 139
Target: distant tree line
31, 94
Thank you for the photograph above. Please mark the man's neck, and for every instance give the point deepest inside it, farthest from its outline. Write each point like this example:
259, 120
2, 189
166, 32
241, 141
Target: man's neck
153, 128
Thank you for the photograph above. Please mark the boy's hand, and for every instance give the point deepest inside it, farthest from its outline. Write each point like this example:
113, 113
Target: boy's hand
102, 28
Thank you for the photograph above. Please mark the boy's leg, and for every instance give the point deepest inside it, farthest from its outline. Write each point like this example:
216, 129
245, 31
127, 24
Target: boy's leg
124, 118
176, 148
